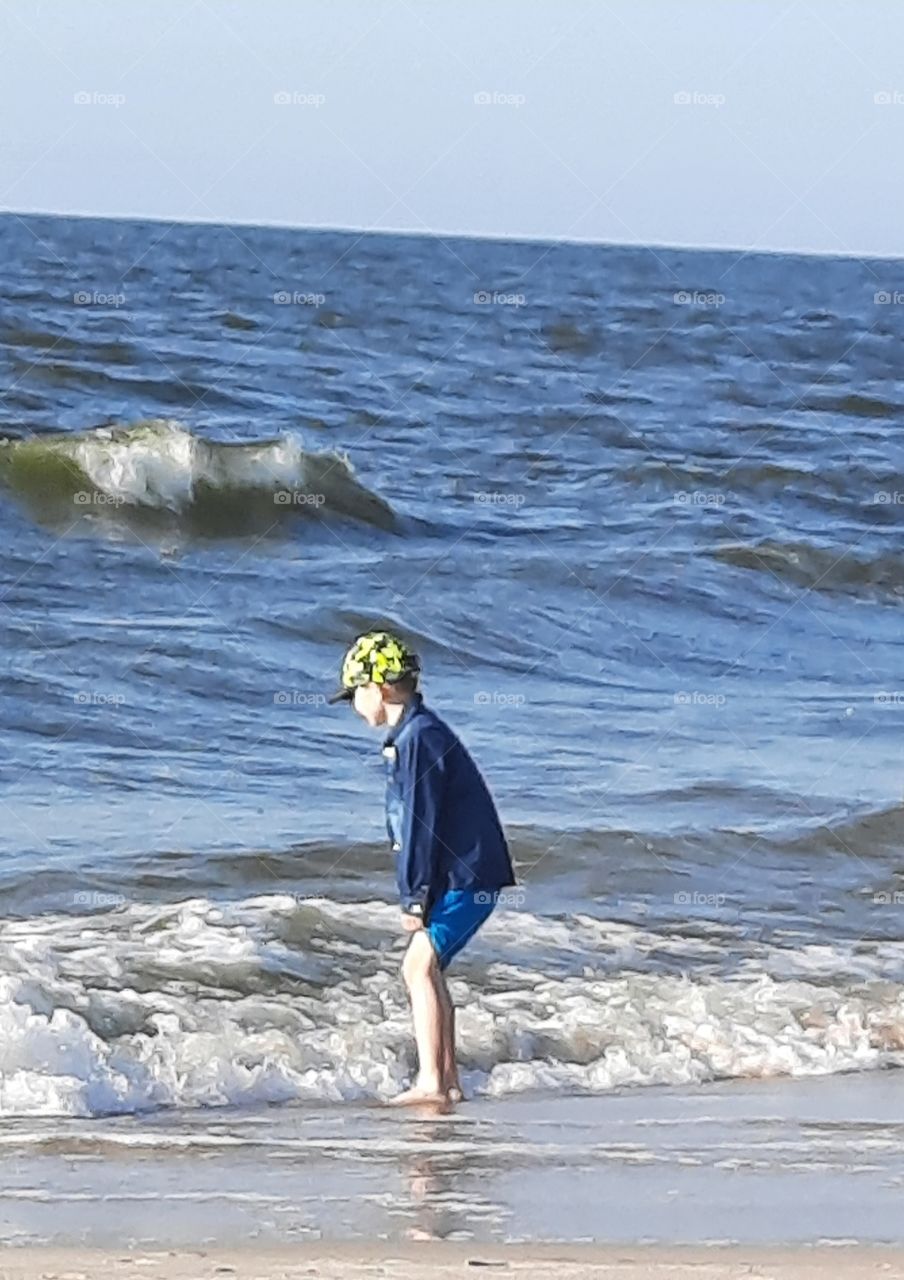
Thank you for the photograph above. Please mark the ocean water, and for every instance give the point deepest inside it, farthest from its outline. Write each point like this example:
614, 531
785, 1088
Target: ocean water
642, 513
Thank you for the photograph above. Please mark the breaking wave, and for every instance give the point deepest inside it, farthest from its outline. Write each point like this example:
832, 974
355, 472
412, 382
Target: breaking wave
159, 472
275, 999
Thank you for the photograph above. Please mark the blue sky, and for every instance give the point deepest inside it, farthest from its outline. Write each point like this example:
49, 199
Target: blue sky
752, 123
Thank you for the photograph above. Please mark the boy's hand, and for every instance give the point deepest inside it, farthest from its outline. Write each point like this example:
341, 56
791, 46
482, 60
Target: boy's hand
410, 923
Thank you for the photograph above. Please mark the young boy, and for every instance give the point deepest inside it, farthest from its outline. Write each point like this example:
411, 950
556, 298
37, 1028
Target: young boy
451, 854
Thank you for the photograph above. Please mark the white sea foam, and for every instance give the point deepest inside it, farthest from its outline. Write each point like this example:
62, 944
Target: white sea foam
162, 464
216, 1004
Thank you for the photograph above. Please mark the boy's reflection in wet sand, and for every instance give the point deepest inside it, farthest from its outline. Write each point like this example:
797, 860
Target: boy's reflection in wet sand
441, 1197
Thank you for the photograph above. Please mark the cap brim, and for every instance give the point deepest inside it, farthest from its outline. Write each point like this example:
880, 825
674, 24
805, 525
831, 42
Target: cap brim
343, 695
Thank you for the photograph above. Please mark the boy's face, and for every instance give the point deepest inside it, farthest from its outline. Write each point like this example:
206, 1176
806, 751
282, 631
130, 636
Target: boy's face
368, 702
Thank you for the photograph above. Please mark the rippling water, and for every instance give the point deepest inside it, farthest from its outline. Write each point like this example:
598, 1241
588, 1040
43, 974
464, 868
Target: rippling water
642, 514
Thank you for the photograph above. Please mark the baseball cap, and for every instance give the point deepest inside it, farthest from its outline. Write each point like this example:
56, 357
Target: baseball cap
377, 657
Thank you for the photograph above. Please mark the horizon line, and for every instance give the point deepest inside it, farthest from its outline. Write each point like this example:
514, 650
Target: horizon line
491, 236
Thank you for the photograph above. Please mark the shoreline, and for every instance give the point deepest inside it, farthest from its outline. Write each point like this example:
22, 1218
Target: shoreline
412, 1260
759, 1166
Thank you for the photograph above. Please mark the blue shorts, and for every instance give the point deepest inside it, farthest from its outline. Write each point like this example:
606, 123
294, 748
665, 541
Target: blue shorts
456, 917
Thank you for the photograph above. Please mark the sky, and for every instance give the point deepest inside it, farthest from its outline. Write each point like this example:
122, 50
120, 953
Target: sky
772, 124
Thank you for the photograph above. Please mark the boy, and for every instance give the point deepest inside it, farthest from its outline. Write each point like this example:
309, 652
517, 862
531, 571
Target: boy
451, 854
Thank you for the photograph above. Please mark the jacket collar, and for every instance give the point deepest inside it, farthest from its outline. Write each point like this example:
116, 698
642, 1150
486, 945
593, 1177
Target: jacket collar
414, 705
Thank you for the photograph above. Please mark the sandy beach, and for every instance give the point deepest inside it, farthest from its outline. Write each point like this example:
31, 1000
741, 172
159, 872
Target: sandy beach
759, 1166
438, 1260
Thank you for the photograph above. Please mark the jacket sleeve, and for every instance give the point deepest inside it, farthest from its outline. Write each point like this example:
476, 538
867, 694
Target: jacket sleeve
424, 778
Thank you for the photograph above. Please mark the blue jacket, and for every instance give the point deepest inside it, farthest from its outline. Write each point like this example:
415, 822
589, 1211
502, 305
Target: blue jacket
440, 815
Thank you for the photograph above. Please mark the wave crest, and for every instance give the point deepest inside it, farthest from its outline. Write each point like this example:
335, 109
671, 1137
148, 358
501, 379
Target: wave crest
804, 565
158, 471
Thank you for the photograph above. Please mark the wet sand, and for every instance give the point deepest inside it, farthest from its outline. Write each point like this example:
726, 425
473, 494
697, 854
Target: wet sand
756, 1165
448, 1261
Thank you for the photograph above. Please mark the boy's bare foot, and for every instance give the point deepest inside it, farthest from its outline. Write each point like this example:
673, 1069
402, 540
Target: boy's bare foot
418, 1095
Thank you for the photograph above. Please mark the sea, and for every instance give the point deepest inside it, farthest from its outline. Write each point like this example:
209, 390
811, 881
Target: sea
640, 511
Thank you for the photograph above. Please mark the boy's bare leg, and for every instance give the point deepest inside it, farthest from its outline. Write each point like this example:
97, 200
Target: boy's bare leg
426, 989
451, 1082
